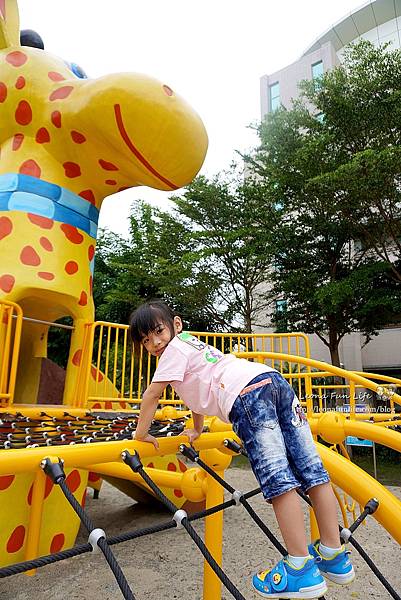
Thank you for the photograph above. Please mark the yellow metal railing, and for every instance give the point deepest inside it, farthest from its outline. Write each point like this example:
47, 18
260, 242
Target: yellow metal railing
112, 373
323, 369
10, 339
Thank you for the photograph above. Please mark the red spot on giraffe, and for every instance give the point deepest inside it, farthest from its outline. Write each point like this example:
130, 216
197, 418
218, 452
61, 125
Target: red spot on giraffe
93, 476
107, 166
6, 227
71, 233
16, 539
46, 275
183, 467
61, 93
17, 140
83, 299
90, 284
42, 136
43, 222
71, 169
178, 493
171, 467
54, 76
48, 487
97, 405
88, 195
77, 137
97, 375
111, 182
83, 501
46, 244
6, 481
29, 256
3, 91
76, 359
73, 480
57, 543
30, 167
23, 114
20, 83
71, 267
150, 465
91, 251
56, 118
7, 282
108, 405
16, 58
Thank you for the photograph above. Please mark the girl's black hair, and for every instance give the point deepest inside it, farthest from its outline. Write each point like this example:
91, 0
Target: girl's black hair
147, 317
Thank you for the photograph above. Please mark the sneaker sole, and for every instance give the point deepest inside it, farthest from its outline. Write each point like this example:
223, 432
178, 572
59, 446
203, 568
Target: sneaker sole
340, 579
315, 591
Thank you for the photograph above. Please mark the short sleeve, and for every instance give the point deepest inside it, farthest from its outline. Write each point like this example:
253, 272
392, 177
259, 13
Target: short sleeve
172, 365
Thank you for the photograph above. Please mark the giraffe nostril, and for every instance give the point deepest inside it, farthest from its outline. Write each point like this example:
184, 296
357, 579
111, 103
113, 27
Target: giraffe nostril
168, 90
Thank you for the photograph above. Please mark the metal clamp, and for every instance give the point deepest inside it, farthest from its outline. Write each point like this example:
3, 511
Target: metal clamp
94, 536
236, 496
345, 534
178, 517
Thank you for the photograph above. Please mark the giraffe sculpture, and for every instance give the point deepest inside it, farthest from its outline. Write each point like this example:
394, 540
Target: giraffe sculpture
66, 143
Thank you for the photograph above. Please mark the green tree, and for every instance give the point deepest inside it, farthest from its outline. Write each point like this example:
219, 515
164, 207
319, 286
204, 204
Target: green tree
361, 104
236, 253
331, 283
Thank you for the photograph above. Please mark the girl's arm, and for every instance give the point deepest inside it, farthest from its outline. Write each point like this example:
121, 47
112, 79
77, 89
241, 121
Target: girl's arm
149, 404
194, 433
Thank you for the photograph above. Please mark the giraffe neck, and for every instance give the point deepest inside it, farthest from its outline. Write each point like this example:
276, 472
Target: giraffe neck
35, 196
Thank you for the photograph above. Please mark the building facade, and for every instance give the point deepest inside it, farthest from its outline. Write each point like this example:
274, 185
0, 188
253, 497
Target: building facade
378, 21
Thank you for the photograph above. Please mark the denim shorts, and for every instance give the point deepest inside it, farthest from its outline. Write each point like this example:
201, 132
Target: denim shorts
270, 421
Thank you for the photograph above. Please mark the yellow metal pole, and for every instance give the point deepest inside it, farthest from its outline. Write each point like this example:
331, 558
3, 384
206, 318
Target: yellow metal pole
35, 518
213, 539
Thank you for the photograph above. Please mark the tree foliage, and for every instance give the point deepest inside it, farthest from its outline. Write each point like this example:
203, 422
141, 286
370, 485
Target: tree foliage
331, 163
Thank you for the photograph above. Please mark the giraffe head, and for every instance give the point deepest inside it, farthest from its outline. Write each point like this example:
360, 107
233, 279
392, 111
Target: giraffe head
92, 136
66, 142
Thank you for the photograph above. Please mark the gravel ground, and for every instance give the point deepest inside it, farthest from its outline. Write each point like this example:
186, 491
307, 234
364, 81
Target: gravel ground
168, 564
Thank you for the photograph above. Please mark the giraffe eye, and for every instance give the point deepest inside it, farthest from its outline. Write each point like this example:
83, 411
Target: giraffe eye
77, 70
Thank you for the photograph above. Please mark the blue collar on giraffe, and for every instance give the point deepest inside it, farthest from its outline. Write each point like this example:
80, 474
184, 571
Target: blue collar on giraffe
31, 195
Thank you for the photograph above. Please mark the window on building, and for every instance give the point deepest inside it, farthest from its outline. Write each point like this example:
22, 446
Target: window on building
317, 70
281, 306
274, 96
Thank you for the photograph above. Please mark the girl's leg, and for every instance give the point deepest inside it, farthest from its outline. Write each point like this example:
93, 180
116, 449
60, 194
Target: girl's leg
290, 518
325, 507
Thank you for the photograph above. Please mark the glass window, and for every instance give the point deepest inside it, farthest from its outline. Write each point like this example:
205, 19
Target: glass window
317, 69
274, 96
281, 306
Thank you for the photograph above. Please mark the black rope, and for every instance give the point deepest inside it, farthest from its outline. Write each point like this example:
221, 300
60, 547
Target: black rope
56, 473
369, 509
135, 464
189, 452
124, 537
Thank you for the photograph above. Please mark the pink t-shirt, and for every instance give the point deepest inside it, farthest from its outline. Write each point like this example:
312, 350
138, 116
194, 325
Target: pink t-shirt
207, 380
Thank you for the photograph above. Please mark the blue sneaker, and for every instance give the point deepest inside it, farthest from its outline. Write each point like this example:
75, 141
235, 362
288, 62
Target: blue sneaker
286, 581
338, 568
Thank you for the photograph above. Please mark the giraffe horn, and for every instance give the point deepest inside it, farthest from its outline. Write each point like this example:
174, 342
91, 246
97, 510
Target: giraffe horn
9, 24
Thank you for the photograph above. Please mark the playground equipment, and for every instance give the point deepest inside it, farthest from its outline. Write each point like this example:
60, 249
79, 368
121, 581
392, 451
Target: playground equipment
66, 143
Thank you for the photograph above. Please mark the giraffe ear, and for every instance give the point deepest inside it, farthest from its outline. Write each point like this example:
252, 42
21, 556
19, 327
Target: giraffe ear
9, 24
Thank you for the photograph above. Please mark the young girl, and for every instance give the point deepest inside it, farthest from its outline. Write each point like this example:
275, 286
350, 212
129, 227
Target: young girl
267, 416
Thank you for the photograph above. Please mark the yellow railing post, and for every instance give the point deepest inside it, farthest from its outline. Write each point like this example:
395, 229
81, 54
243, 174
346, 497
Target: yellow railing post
214, 523
35, 518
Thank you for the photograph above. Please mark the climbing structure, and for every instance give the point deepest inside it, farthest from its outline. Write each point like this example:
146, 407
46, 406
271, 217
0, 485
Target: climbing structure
66, 142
